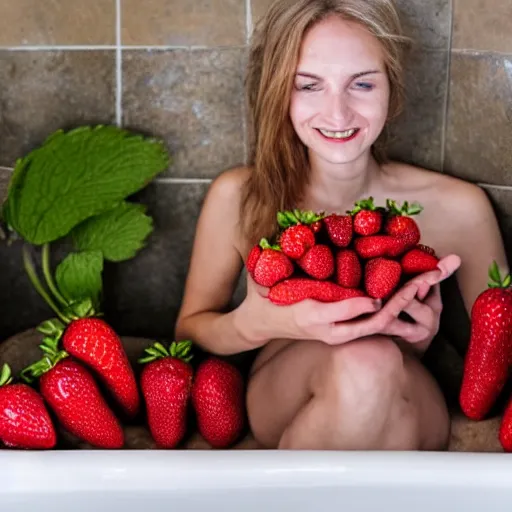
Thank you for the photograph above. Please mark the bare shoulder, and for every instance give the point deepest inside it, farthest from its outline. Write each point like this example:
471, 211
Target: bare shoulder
227, 186
462, 200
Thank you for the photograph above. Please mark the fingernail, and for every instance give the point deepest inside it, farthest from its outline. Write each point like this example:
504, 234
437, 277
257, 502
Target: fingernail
377, 303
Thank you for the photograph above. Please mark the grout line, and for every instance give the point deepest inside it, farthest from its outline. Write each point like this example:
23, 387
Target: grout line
58, 48
115, 47
497, 187
477, 53
119, 67
248, 21
189, 181
447, 92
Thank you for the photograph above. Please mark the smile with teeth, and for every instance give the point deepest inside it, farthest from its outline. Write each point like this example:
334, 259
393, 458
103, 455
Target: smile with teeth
338, 135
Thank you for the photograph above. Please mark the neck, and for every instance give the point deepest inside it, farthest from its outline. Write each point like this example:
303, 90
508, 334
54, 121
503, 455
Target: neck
335, 188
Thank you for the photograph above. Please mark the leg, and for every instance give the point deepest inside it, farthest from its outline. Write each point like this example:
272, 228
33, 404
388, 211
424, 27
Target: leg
360, 395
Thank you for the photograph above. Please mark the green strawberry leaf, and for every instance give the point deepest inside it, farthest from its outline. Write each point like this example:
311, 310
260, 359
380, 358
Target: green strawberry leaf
507, 281
494, 273
79, 276
118, 233
75, 175
5, 375
283, 220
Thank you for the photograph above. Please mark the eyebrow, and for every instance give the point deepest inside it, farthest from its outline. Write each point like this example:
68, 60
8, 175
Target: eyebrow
355, 75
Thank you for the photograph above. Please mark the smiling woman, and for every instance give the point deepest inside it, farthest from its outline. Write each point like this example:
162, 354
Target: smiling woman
324, 78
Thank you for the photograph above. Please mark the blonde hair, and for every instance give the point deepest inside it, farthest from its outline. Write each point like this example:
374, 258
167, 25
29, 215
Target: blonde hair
279, 159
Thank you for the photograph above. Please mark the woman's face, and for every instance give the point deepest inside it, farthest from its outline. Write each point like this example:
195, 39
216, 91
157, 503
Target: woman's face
340, 98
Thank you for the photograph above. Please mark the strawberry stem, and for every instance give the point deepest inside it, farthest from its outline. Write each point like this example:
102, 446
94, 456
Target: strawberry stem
495, 279
52, 355
48, 275
32, 275
179, 350
5, 375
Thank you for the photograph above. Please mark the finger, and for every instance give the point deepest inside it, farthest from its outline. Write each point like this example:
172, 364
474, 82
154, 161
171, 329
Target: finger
407, 331
347, 309
376, 323
421, 313
423, 290
449, 265
435, 300
252, 284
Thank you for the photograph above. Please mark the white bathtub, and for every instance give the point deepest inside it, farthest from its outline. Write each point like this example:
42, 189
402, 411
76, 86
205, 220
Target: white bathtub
254, 481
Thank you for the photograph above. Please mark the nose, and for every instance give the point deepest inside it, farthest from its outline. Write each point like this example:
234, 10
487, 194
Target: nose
337, 109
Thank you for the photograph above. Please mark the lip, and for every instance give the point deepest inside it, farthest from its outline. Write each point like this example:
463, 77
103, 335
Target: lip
338, 141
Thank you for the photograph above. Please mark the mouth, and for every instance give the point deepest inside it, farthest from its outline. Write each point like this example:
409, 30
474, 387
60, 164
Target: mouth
343, 136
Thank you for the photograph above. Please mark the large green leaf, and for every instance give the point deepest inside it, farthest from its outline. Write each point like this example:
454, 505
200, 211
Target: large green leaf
78, 174
79, 276
118, 233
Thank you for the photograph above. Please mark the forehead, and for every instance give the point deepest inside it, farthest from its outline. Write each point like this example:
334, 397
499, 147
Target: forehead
335, 45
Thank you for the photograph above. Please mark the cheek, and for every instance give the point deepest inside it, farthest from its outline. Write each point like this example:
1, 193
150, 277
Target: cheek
300, 108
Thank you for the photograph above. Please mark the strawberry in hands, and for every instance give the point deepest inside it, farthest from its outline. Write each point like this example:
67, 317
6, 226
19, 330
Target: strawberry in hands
299, 232
489, 352
267, 264
24, 419
367, 218
400, 222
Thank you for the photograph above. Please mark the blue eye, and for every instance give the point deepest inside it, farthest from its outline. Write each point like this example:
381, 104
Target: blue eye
365, 86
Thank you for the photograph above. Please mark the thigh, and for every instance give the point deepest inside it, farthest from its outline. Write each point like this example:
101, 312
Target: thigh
286, 373
280, 384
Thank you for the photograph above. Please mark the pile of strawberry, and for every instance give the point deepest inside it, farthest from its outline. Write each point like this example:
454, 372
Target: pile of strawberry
368, 251
87, 384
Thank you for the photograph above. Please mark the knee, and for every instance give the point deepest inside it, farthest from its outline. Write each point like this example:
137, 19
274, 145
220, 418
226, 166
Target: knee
366, 366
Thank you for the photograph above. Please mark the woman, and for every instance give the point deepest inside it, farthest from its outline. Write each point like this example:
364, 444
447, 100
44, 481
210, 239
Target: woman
325, 76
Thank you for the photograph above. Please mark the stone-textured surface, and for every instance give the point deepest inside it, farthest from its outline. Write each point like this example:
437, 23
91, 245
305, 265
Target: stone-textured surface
47, 90
192, 99
57, 22
143, 295
259, 8
416, 136
175, 22
427, 23
475, 436
482, 25
479, 134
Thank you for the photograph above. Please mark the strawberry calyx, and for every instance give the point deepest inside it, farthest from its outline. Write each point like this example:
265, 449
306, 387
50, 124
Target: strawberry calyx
287, 218
365, 204
265, 244
406, 209
180, 350
495, 279
52, 355
5, 375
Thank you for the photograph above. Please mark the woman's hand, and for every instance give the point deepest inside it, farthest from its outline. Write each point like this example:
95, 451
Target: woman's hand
339, 322
425, 310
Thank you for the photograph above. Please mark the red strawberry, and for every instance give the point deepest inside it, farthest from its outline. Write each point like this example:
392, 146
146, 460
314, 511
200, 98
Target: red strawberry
381, 278
166, 382
339, 228
505, 430
72, 393
367, 218
94, 342
417, 261
318, 262
348, 269
24, 418
296, 240
299, 234
297, 289
489, 352
219, 402
401, 224
316, 226
252, 259
375, 246
272, 265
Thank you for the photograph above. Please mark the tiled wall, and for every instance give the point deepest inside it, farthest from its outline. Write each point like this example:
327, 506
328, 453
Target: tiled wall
174, 68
